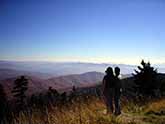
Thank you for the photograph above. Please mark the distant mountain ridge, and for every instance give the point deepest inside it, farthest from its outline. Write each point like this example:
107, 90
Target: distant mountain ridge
62, 68
11, 73
89, 78
67, 68
37, 85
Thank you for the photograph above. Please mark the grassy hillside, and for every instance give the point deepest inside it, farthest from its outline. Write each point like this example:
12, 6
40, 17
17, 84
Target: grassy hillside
91, 110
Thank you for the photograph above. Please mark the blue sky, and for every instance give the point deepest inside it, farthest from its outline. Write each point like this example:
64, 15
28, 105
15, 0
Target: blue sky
118, 31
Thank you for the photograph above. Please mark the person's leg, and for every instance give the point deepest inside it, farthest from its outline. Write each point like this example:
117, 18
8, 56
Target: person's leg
110, 104
106, 100
110, 100
117, 103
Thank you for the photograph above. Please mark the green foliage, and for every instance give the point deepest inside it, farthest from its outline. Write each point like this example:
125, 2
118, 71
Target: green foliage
21, 86
146, 79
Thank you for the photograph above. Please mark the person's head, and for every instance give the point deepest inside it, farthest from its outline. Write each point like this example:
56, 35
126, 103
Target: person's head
109, 71
117, 71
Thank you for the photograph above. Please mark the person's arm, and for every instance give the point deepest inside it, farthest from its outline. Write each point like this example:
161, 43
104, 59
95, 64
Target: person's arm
103, 85
103, 90
121, 88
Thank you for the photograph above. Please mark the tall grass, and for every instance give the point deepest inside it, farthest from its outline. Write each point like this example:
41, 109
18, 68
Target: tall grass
91, 111
80, 111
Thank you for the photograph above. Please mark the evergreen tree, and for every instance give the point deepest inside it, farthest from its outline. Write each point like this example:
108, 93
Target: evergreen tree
63, 98
21, 86
72, 94
3, 104
146, 79
50, 95
162, 88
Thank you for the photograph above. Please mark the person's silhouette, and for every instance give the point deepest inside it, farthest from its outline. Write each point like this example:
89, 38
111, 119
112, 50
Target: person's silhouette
117, 91
109, 89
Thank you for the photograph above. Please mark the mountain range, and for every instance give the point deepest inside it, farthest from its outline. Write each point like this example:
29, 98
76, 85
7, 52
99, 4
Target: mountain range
43, 75
37, 85
52, 69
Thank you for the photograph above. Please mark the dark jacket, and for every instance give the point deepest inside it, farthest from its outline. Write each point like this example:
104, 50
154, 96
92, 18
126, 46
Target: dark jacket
118, 86
108, 83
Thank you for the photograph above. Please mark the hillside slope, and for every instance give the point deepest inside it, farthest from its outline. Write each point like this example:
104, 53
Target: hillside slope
11, 73
37, 85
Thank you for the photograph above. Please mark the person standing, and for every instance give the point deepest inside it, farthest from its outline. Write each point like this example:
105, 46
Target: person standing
109, 89
118, 90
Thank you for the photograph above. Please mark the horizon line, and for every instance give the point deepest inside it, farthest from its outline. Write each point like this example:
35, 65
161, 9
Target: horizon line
91, 62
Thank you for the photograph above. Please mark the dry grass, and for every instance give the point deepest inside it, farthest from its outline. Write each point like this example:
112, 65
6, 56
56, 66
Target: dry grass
156, 106
92, 112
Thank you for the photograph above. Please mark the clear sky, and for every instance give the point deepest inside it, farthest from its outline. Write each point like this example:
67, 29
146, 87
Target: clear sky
118, 31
